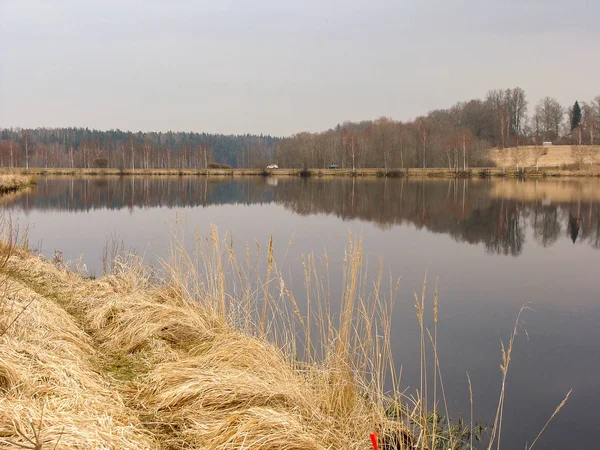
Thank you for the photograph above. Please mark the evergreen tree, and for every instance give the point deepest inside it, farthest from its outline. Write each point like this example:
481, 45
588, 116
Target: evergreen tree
575, 116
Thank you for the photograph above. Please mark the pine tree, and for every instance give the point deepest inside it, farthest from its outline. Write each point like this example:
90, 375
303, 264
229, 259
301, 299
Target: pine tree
575, 115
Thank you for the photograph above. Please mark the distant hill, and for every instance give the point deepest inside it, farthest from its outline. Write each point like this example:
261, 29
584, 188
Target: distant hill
551, 156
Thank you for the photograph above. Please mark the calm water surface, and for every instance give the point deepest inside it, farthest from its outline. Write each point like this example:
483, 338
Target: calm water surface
494, 245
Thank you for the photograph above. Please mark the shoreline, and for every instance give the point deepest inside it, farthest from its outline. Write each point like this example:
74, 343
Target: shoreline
483, 172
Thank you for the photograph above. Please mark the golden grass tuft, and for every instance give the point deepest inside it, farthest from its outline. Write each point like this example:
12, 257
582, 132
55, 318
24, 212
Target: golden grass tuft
11, 182
263, 428
49, 379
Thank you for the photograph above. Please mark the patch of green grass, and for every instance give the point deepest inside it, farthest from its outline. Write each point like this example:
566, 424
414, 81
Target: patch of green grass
124, 367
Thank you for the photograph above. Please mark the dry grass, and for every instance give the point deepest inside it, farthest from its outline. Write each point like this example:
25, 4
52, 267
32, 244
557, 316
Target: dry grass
48, 378
129, 362
211, 353
10, 182
554, 156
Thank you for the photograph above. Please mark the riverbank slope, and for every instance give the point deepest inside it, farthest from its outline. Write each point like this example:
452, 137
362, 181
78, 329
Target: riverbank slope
552, 156
124, 362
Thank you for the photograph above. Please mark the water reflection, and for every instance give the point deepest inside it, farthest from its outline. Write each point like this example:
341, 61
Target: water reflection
495, 213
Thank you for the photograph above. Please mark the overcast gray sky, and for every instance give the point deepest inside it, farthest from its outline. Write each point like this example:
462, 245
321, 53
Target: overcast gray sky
282, 66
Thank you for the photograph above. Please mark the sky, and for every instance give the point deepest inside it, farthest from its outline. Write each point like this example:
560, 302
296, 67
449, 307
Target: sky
282, 66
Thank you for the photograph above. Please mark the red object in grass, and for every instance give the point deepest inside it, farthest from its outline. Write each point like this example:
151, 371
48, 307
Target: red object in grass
374, 440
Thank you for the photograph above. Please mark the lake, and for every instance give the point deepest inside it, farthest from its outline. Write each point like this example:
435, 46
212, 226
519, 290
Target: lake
492, 244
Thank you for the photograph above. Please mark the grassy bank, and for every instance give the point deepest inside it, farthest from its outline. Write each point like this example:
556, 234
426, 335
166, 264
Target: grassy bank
553, 156
508, 171
10, 182
201, 355
130, 362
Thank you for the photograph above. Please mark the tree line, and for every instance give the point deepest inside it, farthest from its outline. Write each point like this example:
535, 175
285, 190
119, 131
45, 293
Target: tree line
459, 137
85, 148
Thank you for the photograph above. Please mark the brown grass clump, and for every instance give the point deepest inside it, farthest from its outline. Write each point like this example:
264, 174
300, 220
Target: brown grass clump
48, 378
10, 182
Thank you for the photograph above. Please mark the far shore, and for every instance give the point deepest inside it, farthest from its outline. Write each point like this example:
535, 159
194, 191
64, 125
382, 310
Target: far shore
479, 172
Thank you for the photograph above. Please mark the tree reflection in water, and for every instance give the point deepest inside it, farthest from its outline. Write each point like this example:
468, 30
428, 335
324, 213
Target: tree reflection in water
495, 213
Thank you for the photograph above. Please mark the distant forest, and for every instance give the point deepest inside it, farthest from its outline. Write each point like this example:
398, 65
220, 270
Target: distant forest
85, 148
458, 137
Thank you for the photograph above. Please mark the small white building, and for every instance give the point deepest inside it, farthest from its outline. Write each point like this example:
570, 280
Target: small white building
547, 144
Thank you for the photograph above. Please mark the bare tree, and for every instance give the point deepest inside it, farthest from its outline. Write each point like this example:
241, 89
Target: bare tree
351, 141
11, 147
517, 107
518, 155
578, 155
537, 151
384, 139
465, 141
423, 127
496, 100
591, 154
399, 137
589, 121
132, 150
549, 114
26, 143
596, 108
